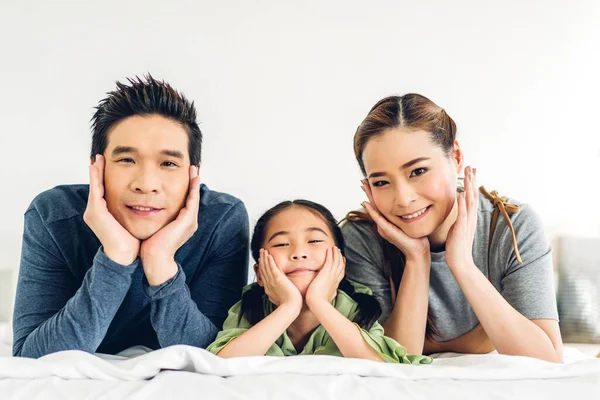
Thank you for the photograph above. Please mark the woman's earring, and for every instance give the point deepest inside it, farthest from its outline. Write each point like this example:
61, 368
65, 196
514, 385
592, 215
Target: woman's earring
460, 186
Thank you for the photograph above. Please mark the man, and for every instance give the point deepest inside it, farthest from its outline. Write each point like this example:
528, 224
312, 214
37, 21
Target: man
144, 255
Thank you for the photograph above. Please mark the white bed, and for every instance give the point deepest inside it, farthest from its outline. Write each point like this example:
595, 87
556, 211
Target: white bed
186, 372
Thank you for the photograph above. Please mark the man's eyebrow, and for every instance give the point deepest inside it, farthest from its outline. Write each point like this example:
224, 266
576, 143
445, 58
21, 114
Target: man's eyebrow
173, 153
123, 149
128, 149
404, 166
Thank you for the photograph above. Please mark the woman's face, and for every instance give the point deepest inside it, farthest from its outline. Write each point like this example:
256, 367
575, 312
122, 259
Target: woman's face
413, 181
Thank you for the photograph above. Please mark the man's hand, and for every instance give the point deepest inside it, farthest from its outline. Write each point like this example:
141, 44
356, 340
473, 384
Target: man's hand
119, 245
158, 251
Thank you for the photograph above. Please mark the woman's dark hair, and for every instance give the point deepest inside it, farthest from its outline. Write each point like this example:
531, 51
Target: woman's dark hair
145, 97
253, 299
414, 112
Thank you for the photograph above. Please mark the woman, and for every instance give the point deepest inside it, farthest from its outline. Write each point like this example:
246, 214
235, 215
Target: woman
444, 279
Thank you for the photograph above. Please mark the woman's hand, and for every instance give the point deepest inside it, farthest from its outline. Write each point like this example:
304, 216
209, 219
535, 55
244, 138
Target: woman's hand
324, 286
459, 244
278, 287
413, 249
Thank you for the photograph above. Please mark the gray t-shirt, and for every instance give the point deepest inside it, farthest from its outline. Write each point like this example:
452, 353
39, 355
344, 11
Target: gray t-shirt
528, 287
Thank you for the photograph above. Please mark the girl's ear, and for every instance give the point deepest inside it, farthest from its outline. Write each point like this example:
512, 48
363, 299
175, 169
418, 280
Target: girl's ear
258, 277
457, 156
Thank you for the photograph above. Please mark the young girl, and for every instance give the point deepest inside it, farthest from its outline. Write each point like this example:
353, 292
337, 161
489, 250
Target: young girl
449, 273
302, 304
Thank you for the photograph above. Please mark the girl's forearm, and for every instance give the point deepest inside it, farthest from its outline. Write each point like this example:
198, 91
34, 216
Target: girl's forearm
344, 333
408, 320
510, 332
257, 340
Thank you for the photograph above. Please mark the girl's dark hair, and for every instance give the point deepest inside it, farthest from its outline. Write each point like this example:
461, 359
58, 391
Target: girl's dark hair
414, 112
145, 97
254, 298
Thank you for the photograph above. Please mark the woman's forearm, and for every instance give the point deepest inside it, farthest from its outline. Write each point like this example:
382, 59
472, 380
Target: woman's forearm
408, 320
510, 332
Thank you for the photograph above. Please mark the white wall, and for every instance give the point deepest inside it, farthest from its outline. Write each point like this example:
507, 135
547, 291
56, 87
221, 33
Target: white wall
281, 86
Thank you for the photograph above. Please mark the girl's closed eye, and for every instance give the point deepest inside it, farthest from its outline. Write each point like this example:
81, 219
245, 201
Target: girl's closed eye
281, 245
315, 241
418, 172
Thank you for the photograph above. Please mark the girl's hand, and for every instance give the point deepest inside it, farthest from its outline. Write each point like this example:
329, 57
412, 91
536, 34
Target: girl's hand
413, 249
459, 244
278, 287
324, 286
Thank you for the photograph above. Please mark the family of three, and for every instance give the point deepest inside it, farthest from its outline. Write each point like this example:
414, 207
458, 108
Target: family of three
147, 255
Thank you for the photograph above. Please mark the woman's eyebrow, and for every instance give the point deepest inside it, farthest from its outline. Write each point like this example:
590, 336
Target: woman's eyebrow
413, 162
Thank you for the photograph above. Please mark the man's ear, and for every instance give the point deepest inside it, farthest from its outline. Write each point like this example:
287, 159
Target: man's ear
258, 277
457, 157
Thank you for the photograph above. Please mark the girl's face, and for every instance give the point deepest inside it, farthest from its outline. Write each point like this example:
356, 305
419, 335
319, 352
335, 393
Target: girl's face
298, 239
413, 181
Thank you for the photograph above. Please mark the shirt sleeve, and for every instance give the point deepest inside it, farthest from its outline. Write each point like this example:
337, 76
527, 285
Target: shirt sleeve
365, 265
388, 349
52, 311
528, 287
234, 327
192, 313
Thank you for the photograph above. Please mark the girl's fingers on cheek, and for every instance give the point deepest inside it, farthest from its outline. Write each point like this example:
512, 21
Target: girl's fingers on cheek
339, 257
327, 258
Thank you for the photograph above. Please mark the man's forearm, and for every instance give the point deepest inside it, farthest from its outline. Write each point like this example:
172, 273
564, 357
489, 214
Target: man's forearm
175, 316
84, 320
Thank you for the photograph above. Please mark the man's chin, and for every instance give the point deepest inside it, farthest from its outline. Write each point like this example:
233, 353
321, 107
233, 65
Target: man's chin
142, 233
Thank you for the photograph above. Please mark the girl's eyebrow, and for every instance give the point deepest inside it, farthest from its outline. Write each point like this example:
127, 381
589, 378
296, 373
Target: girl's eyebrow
311, 229
314, 228
280, 233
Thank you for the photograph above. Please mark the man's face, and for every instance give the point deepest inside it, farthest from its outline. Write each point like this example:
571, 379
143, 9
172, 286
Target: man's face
146, 177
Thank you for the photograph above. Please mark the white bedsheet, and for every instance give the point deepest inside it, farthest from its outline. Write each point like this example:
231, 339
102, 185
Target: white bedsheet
187, 372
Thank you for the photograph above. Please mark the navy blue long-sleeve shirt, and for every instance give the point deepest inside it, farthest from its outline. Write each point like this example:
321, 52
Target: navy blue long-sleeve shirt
70, 295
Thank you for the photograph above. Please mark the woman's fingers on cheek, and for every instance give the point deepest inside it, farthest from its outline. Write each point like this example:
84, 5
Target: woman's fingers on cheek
461, 206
